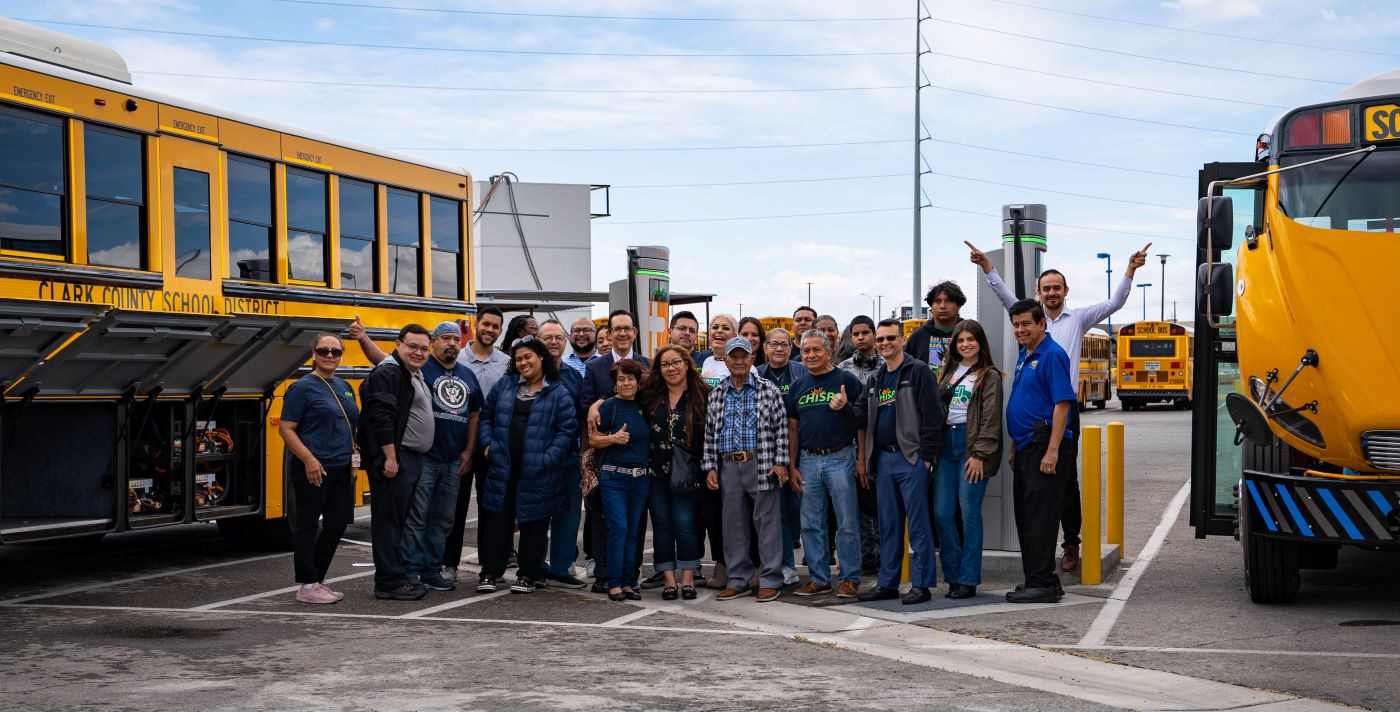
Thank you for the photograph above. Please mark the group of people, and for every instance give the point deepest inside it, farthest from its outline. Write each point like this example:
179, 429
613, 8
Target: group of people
766, 444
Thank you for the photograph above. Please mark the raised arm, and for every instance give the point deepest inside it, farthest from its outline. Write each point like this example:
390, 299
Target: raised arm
994, 280
1096, 313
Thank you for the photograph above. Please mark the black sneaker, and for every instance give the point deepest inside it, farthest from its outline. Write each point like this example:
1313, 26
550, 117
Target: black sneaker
403, 592
434, 581
916, 596
523, 584
878, 594
514, 560
657, 580
567, 580
598, 587
486, 584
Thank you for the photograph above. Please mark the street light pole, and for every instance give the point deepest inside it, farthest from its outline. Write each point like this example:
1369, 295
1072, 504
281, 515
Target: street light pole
809, 294
741, 310
1143, 286
872, 303
1108, 285
880, 301
1164, 285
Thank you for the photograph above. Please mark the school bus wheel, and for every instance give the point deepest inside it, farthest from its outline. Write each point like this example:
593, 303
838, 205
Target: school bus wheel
1270, 565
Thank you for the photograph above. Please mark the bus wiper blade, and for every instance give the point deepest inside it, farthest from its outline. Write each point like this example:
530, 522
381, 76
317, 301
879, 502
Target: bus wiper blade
1339, 182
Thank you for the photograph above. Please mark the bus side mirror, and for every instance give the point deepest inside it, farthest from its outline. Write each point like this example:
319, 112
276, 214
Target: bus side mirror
1215, 219
1215, 284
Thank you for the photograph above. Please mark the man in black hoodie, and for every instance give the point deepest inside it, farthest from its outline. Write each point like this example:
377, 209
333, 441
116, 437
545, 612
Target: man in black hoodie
930, 342
396, 428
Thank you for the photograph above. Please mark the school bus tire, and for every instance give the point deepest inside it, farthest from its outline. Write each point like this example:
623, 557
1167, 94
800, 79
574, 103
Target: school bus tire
1270, 565
1101, 404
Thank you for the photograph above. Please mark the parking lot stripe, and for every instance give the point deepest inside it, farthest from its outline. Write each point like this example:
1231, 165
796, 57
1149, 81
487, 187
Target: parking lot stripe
1112, 608
1227, 651
455, 604
133, 579
357, 542
624, 620
278, 592
234, 612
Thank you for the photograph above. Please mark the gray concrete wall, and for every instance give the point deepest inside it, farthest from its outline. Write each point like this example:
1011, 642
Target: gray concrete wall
555, 219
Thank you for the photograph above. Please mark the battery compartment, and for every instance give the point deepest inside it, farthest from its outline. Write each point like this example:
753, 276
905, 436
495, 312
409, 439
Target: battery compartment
156, 467
57, 467
228, 446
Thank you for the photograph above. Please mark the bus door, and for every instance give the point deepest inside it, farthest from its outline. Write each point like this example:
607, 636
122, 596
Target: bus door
1215, 458
190, 217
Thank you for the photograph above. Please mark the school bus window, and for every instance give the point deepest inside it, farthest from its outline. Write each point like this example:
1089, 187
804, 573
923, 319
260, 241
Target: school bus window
1145, 348
250, 219
447, 247
404, 241
306, 225
357, 209
33, 181
116, 196
191, 198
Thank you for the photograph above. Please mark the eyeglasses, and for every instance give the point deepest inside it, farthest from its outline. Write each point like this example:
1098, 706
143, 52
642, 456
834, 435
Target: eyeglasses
415, 348
885, 339
780, 344
328, 352
673, 363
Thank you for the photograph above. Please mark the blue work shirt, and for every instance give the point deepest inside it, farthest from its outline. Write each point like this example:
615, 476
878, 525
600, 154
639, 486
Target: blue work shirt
1042, 380
886, 434
456, 394
612, 415
320, 424
740, 430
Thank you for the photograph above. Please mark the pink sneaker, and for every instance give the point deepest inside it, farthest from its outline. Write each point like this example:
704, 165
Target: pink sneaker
315, 595
338, 595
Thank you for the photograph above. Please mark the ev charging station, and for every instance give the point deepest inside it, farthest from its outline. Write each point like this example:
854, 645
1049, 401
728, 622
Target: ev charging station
646, 292
1023, 240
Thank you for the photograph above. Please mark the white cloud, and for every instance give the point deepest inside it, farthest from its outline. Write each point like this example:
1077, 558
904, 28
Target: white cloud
324, 24
1215, 9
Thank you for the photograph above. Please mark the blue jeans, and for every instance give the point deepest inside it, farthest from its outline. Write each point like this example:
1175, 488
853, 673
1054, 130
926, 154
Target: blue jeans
624, 500
563, 526
790, 508
675, 534
830, 476
901, 490
430, 518
961, 554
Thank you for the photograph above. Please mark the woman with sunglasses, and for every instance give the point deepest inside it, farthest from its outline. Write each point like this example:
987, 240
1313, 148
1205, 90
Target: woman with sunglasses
318, 425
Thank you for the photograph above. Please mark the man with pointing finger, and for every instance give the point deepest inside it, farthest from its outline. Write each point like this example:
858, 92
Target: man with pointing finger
827, 454
1067, 327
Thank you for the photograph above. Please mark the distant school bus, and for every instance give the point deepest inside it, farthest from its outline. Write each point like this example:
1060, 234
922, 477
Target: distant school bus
1154, 364
912, 325
163, 269
1095, 384
773, 322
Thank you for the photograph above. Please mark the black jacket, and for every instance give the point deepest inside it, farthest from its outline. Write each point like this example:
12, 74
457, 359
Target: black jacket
386, 396
919, 414
598, 382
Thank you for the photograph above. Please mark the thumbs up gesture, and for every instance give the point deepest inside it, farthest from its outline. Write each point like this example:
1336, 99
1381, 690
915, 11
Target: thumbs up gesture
356, 330
839, 400
621, 437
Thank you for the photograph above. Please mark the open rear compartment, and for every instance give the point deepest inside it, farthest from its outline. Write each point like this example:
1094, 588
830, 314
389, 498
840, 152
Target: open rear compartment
59, 466
228, 446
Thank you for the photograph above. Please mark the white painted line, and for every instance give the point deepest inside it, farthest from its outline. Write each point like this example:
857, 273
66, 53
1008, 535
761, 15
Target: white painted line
1228, 651
456, 604
144, 577
856, 628
634, 615
234, 612
356, 541
1113, 607
278, 592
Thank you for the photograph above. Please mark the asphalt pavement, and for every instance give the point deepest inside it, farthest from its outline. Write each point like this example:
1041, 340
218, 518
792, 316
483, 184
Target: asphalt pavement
171, 619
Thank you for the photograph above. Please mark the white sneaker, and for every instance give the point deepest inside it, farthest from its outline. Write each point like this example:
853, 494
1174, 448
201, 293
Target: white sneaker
450, 573
790, 576
590, 565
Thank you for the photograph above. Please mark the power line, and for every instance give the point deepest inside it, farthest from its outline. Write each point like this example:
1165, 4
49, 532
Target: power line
562, 16
1059, 159
456, 50
1105, 82
642, 149
1194, 31
514, 90
1148, 57
1052, 190
1089, 112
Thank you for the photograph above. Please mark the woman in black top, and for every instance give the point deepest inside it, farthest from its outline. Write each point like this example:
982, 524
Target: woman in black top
674, 396
623, 441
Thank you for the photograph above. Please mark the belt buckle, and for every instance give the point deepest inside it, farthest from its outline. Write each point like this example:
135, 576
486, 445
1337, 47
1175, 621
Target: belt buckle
740, 457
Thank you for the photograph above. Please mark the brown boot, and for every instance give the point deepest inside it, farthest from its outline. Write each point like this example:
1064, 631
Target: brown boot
769, 594
1070, 561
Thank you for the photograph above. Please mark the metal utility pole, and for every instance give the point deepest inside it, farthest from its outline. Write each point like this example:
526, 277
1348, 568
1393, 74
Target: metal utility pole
741, 310
1143, 286
809, 294
1164, 285
1108, 287
918, 144
880, 305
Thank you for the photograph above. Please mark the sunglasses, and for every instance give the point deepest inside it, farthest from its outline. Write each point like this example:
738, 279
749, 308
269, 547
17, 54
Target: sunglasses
329, 352
885, 339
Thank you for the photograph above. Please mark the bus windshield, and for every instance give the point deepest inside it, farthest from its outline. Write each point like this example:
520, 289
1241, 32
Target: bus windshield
1142, 348
1359, 193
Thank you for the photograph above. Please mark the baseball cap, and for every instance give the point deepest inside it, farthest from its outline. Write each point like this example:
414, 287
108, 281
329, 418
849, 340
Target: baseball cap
738, 342
446, 327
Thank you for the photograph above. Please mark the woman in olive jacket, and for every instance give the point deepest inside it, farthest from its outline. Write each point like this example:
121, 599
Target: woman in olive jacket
971, 387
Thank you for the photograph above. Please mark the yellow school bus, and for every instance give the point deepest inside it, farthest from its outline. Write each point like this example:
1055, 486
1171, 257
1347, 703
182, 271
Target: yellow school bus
910, 326
1095, 386
773, 322
163, 268
1154, 365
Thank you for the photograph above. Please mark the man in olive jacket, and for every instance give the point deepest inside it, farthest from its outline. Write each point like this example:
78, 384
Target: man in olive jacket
396, 429
903, 433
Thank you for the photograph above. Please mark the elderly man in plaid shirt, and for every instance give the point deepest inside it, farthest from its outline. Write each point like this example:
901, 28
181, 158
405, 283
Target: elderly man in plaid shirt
746, 456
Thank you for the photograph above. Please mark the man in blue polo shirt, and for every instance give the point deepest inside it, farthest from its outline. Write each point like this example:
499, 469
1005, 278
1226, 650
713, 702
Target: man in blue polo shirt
1042, 452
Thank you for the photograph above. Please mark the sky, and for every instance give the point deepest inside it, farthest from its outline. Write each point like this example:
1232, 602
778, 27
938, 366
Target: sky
1157, 89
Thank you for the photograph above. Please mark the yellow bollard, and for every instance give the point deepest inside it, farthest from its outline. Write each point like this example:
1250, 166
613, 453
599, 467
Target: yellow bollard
1114, 489
904, 568
1090, 554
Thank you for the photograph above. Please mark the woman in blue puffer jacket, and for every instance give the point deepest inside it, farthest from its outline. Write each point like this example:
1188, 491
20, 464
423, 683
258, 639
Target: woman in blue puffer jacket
527, 429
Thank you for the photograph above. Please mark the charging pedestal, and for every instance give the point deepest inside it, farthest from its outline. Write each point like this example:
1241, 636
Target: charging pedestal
647, 294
